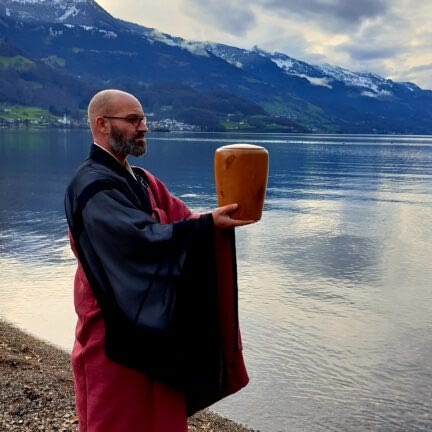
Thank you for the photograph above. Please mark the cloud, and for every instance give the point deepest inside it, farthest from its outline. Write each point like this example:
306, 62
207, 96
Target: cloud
227, 16
422, 68
416, 74
388, 37
240, 17
368, 52
342, 11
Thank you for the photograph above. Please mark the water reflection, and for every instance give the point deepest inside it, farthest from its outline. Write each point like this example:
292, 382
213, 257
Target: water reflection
334, 281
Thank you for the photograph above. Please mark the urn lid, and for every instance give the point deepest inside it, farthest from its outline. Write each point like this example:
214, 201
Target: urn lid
241, 146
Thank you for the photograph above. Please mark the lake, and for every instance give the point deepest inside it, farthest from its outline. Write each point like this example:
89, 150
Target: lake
335, 280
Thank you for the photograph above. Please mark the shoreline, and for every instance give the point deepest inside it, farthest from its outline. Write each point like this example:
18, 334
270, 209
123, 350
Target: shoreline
37, 389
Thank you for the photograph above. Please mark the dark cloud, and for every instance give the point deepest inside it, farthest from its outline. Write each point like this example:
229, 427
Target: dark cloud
346, 11
422, 68
228, 16
366, 51
239, 17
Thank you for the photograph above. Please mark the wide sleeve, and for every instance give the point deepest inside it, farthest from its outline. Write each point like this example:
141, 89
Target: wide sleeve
136, 262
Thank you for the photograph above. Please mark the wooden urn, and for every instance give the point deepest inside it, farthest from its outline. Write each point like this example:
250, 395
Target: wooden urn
241, 172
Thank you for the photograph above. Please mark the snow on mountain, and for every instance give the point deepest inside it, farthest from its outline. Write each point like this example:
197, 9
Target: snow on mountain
69, 12
324, 81
317, 75
293, 66
90, 16
232, 55
285, 64
324, 75
376, 85
51, 2
410, 86
161, 37
79, 12
196, 48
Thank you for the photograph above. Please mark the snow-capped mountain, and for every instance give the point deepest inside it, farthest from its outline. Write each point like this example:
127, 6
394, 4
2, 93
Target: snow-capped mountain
372, 85
80, 38
88, 14
76, 12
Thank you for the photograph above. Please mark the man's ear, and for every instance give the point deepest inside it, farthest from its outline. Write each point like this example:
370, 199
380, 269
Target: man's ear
102, 125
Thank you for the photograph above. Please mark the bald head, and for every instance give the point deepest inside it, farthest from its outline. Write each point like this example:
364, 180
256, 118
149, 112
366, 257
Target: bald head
106, 103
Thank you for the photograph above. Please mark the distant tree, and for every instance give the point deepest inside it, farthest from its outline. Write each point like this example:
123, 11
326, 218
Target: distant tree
258, 122
207, 120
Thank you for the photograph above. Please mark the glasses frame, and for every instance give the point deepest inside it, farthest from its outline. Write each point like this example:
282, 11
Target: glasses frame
134, 120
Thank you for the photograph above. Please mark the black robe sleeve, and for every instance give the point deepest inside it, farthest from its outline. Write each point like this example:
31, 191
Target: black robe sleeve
137, 261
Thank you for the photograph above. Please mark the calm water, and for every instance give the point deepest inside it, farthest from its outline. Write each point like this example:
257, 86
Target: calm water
335, 281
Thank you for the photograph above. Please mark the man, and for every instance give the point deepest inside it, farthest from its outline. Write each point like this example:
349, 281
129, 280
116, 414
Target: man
157, 336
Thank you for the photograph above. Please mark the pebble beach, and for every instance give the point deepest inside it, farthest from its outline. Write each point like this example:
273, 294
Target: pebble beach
37, 389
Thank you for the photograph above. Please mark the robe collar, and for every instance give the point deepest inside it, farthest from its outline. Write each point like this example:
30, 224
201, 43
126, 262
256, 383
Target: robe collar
100, 155
126, 164
103, 157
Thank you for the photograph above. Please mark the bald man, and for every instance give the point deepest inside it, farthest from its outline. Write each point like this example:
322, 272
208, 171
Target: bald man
157, 336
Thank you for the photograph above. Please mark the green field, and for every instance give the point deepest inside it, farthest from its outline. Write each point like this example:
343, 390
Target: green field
22, 113
18, 63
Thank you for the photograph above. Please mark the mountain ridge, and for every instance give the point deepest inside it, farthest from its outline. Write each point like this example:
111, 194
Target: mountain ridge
82, 39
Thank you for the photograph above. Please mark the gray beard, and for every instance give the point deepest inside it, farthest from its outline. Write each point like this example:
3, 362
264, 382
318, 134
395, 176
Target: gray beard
125, 146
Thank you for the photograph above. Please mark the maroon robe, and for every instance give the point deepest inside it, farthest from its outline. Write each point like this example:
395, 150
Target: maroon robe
113, 398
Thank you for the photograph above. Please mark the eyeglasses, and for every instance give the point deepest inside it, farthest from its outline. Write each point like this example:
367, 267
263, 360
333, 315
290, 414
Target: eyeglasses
134, 120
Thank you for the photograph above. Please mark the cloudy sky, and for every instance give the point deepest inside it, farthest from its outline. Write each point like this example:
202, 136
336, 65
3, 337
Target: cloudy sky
392, 38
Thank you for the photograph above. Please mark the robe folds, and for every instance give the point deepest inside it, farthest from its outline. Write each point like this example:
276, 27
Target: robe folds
155, 291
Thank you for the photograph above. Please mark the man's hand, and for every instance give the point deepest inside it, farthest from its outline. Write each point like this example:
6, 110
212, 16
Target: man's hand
221, 218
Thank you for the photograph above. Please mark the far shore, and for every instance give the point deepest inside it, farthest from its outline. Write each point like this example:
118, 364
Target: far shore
37, 389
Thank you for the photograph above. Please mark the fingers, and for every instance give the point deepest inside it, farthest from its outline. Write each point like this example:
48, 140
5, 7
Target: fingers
239, 222
222, 219
229, 208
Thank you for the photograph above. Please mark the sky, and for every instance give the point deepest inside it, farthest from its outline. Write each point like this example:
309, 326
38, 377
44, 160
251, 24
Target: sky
392, 38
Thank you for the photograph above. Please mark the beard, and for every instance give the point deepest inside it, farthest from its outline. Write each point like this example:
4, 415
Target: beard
127, 146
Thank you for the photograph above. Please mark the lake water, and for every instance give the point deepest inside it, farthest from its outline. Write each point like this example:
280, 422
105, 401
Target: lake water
335, 280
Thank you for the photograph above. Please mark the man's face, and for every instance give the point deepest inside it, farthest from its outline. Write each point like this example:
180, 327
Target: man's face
128, 126
128, 140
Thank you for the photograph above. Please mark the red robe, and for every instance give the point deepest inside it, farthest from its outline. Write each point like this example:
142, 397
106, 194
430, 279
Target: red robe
113, 398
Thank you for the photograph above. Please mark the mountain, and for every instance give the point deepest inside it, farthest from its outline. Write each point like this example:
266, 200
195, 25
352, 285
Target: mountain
80, 39
361, 102
74, 12
32, 81
26, 81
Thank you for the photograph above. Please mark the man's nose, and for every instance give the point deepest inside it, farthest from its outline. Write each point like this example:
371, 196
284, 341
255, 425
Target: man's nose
142, 127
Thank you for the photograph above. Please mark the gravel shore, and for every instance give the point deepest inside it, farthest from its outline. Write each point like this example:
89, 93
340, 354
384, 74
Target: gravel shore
37, 389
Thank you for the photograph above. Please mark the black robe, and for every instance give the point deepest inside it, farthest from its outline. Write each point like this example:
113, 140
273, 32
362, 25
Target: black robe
156, 283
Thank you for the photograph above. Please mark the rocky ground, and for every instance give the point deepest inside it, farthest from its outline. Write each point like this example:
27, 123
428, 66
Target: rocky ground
37, 389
